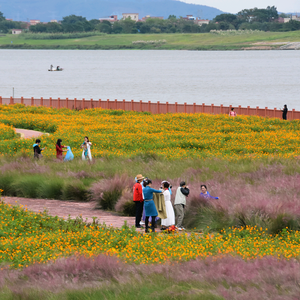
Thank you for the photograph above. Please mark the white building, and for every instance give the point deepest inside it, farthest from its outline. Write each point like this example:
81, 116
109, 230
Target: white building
16, 31
133, 16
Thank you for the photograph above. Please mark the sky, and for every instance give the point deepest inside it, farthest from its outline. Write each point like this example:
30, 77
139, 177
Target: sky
234, 6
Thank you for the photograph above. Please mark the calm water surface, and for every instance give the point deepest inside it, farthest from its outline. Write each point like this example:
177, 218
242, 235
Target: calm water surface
254, 78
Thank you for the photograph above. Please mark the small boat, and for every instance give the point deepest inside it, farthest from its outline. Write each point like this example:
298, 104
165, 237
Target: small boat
55, 69
60, 69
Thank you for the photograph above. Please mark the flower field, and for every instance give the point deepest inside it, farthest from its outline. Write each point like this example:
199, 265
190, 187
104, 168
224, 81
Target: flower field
27, 237
124, 133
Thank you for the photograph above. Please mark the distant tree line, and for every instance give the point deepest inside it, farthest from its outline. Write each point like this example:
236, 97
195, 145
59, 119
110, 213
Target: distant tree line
255, 19
5, 25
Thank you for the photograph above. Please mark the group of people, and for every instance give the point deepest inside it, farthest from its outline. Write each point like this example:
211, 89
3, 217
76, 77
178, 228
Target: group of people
85, 146
143, 197
232, 113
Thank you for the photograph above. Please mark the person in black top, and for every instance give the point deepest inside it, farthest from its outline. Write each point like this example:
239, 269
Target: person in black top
37, 150
284, 112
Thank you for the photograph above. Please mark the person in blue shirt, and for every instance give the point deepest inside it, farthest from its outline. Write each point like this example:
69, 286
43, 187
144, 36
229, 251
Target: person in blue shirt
150, 209
205, 194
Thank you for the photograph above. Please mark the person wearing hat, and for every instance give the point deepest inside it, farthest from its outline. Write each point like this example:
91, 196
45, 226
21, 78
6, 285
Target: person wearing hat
138, 199
180, 203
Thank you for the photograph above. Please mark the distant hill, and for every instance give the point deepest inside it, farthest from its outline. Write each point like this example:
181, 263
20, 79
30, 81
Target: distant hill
46, 10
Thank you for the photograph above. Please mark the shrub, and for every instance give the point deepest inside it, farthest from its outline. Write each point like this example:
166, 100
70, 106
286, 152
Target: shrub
107, 192
75, 190
51, 189
125, 205
27, 186
6, 182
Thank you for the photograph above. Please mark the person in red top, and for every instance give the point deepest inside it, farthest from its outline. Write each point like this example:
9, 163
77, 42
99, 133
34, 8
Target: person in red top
138, 199
59, 149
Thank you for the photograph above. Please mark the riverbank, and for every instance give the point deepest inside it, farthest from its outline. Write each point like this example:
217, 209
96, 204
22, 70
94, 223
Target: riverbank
197, 41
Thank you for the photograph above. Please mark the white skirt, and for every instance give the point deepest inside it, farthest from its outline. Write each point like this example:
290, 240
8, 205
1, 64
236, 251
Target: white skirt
170, 220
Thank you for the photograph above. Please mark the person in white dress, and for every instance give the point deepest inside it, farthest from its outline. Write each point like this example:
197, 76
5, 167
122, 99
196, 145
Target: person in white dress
86, 152
170, 220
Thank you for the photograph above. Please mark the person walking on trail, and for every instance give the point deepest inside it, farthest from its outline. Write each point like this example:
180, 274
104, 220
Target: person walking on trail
232, 113
150, 209
138, 199
37, 150
284, 112
180, 203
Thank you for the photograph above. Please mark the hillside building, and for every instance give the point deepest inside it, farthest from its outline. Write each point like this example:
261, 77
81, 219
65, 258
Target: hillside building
133, 16
111, 19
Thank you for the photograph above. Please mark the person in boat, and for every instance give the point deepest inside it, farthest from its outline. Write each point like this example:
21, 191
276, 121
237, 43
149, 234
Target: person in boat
51, 67
57, 68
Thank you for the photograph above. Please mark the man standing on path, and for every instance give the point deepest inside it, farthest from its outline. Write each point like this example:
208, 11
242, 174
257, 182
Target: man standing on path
180, 203
138, 199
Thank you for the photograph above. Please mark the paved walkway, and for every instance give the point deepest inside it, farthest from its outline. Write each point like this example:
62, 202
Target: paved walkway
65, 208
27, 134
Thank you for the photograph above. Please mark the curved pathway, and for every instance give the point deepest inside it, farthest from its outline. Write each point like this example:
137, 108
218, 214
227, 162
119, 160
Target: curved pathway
64, 209
28, 134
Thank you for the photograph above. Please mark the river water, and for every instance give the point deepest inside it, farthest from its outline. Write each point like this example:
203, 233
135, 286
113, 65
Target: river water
254, 78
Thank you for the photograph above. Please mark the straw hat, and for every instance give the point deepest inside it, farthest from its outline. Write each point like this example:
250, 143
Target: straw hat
139, 177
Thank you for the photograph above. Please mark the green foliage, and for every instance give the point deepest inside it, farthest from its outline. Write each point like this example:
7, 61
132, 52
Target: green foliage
58, 36
75, 190
129, 208
27, 186
51, 188
109, 199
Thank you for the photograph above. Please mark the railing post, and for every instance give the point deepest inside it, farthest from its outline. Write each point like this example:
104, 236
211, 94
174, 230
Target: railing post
67, 102
22, 100
256, 112
42, 101
221, 108
131, 105
149, 106
0, 100
92, 104
167, 107
116, 104
32, 101
124, 104
74, 103
266, 108
275, 112
158, 107
11, 100
141, 105
176, 110
239, 110
184, 107
212, 108
293, 110
58, 103
203, 107
248, 110
230, 107
194, 107
107, 104
83, 103
100, 103
50, 101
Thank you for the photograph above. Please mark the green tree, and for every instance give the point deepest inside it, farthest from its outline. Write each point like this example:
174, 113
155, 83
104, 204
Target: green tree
74, 23
128, 25
105, 26
2, 18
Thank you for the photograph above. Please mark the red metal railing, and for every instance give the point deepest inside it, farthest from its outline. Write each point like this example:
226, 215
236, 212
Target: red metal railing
153, 107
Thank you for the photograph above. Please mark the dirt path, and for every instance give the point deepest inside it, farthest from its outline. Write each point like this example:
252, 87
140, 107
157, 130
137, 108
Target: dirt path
65, 208
27, 134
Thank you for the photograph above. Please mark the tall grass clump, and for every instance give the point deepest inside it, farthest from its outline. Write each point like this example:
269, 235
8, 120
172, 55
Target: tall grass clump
75, 190
27, 186
107, 192
51, 188
58, 36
